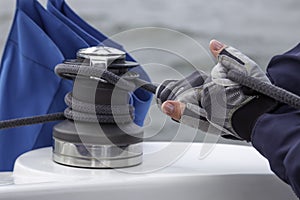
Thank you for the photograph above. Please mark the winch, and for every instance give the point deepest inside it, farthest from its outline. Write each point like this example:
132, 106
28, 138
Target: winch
99, 131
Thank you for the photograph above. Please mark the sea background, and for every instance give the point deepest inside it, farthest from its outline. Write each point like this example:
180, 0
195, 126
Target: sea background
260, 29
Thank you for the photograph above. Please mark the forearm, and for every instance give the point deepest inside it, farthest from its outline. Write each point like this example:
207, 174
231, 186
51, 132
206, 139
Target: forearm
276, 136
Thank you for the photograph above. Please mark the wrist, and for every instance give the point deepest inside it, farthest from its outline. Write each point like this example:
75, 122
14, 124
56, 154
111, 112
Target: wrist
244, 119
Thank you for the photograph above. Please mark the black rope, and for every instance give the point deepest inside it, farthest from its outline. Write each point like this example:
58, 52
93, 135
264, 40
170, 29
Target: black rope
277, 93
71, 71
92, 108
13, 123
86, 112
146, 85
82, 111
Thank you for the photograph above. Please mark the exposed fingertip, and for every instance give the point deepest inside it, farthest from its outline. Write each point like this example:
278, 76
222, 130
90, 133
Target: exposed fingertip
173, 109
168, 108
216, 45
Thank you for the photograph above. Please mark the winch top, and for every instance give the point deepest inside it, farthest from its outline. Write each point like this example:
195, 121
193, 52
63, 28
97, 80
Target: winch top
100, 51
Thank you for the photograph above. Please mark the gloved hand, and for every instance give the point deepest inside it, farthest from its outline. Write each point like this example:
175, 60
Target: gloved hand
187, 92
217, 105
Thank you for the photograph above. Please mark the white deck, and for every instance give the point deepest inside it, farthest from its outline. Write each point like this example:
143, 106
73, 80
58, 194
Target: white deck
169, 171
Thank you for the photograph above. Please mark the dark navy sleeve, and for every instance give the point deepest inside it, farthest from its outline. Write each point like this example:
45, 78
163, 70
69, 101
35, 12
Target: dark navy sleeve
276, 135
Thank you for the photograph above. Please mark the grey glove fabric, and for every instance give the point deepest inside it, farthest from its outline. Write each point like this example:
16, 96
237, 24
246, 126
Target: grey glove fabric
221, 97
211, 103
172, 89
187, 91
232, 59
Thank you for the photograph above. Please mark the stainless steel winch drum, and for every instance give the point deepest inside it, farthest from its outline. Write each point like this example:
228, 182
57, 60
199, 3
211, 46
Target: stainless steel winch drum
96, 144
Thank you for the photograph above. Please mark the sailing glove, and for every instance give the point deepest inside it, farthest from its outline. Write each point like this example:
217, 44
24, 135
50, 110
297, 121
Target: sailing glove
216, 104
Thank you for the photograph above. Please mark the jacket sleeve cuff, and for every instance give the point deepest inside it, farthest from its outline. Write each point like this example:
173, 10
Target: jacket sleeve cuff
244, 119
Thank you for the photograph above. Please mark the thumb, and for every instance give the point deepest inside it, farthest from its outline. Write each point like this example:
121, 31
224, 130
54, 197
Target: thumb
216, 47
173, 108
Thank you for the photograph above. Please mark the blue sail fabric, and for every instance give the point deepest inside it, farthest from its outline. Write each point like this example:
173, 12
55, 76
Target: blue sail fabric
63, 36
89, 39
141, 99
28, 84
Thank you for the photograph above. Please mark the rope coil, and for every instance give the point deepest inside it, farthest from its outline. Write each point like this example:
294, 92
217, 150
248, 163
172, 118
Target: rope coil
82, 111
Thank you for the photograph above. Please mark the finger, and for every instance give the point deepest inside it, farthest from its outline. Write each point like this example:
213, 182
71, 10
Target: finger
173, 108
233, 59
216, 47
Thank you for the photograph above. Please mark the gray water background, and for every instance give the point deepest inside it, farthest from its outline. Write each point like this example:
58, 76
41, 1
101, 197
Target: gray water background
259, 28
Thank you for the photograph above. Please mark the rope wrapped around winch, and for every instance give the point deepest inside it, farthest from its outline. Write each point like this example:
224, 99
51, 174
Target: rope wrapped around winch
86, 112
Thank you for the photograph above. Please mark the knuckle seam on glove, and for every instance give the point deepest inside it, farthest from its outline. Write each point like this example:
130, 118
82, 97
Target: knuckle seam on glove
227, 53
230, 63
